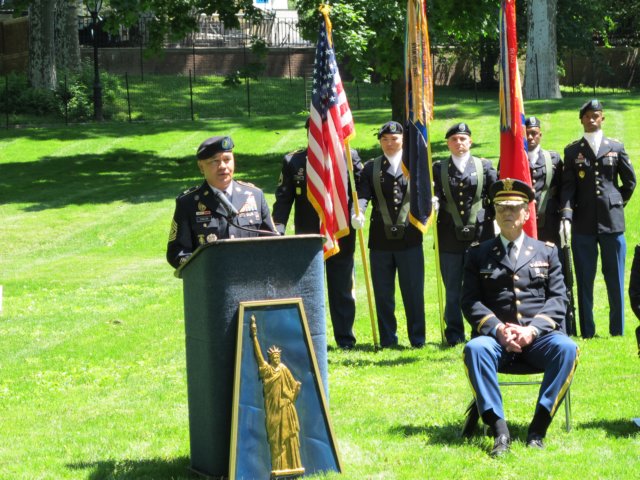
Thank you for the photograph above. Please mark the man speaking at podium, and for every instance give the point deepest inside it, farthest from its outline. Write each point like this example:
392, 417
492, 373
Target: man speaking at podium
219, 208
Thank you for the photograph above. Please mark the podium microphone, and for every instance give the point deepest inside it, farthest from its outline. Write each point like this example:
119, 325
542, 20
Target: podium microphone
232, 211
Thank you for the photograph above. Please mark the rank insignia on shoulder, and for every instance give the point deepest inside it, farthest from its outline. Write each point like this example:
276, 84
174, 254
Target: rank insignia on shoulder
550, 244
474, 244
248, 184
188, 191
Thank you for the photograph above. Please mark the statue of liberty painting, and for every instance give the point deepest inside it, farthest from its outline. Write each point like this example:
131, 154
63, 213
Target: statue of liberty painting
280, 390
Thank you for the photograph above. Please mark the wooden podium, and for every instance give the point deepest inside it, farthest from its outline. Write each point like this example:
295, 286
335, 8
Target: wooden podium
216, 278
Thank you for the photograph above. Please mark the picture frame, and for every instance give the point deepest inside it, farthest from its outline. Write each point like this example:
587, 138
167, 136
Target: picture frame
258, 451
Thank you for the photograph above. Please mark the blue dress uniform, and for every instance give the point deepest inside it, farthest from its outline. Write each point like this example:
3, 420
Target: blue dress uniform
531, 293
463, 187
199, 218
402, 253
292, 189
595, 189
634, 290
547, 217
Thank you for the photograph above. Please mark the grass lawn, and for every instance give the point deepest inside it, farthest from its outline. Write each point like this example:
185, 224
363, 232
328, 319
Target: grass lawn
92, 360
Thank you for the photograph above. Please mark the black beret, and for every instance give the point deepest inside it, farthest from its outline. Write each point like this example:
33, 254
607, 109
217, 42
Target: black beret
510, 191
458, 128
532, 122
593, 105
213, 145
390, 127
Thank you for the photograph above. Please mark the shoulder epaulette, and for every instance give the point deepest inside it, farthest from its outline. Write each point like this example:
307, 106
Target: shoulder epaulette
474, 244
246, 184
574, 142
289, 155
550, 244
187, 192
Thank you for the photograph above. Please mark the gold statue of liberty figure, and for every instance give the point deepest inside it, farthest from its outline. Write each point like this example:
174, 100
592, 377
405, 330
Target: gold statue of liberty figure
280, 392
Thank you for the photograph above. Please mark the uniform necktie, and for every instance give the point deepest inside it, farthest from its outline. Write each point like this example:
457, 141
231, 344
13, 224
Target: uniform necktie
511, 252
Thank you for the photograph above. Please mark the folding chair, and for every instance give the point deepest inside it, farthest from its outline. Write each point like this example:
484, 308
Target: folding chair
472, 416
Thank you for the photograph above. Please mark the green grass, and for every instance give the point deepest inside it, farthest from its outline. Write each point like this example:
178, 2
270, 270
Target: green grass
92, 361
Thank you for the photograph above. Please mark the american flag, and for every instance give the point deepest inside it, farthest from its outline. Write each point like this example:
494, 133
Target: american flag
514, 162
330, 125
419, 112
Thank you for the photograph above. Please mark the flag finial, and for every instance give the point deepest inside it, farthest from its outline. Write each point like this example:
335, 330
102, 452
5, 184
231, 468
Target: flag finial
325, 9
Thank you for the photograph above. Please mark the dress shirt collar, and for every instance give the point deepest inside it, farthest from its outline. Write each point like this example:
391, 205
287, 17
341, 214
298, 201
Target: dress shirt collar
594, 139
517, 243
395, 161
461, 161
533, 155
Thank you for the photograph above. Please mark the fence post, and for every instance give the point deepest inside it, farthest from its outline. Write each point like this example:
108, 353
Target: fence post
141, 23
573, 75
304, 86
246, 77
289, 61
191, 95
6, 99
126, 80
193, 54
475, 82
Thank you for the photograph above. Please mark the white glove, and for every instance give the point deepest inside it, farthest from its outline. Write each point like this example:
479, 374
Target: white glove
435, 203
565, 232
357, 221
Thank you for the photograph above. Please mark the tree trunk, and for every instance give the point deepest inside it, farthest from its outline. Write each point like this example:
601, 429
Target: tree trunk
398, 100
541, 71
67, 44
42, 67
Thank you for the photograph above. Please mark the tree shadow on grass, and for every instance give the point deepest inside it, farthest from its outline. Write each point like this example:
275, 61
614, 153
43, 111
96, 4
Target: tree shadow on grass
151, 469
618, 428
117, 175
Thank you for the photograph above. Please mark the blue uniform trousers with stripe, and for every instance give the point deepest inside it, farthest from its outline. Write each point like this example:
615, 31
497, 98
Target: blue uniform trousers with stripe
555, 353
613, 249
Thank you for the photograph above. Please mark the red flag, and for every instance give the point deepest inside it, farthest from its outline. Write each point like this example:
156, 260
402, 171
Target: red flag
514, 162
330, 125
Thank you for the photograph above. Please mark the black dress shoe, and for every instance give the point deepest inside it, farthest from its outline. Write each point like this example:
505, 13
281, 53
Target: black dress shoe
535, 441
500, 445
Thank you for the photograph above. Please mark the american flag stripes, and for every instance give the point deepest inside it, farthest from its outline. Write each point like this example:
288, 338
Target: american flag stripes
330, 125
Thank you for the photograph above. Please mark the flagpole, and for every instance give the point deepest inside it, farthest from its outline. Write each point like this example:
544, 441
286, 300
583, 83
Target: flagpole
436, 245
365, 266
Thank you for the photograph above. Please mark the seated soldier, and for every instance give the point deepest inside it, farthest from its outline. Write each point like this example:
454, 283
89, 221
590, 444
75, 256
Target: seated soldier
514, 297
